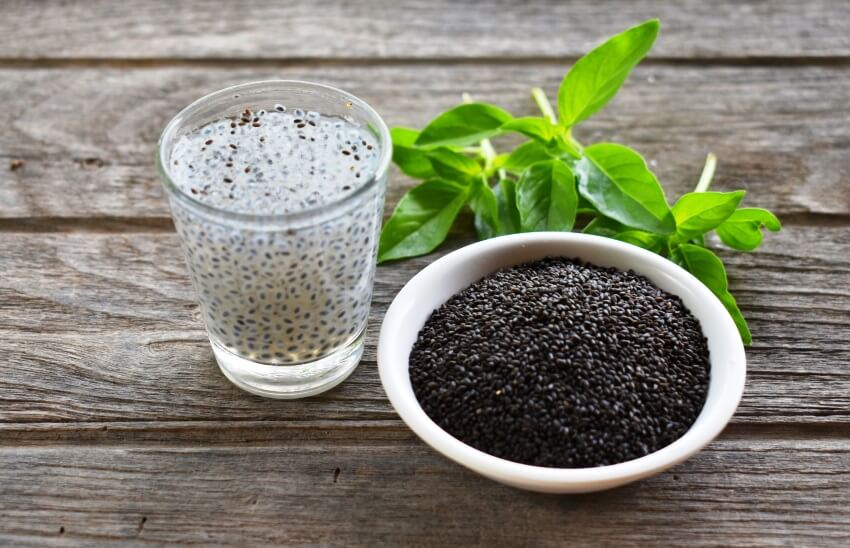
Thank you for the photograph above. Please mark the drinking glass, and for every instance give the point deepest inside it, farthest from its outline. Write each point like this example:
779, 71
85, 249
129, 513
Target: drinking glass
285, 297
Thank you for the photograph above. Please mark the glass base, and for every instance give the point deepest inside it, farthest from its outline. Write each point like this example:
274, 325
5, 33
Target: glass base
290, 381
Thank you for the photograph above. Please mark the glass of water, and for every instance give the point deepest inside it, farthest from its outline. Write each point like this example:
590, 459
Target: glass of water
277, 193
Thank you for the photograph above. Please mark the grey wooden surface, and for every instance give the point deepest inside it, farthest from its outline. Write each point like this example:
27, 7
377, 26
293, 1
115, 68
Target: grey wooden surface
115, 424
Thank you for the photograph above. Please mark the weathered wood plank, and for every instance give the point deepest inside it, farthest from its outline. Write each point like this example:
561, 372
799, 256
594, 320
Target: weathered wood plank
87, 136
413, 29
104, 348
373, 490
104, 327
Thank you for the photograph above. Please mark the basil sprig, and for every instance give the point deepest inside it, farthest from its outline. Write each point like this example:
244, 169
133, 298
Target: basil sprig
553, 182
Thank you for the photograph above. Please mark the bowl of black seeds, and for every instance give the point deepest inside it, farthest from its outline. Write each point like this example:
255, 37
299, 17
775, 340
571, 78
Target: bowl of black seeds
561, 362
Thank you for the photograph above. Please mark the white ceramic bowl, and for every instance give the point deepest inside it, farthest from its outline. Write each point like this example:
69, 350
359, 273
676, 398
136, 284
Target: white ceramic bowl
443, 278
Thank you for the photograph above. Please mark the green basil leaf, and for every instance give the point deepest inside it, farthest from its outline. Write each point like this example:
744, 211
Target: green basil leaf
422, 219
486, 208
603, 226
742, 230
740, 322
708, 268
653, 242
453, 165
499, 161
464, 125
537, 128
509, 220
596, 77
411, 160
699, 212
525, 155
616, 180
546, 197
584, 206
568, 149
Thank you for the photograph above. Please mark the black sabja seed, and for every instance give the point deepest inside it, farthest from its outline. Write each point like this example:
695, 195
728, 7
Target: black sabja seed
560, 363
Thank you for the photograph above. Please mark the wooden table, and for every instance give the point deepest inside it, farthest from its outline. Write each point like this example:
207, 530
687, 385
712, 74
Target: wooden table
115, 423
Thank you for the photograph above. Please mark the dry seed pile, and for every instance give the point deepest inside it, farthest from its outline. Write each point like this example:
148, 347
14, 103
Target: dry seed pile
280, 295
560, 363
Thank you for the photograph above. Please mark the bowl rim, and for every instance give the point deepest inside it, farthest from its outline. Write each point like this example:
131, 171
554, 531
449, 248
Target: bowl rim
394, 375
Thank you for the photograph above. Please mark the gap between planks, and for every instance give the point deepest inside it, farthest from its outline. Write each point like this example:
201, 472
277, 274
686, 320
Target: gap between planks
103, 225
295, 62
130, 225
390, 431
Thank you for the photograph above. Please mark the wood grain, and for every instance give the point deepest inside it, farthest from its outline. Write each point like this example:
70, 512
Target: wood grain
375, 490
104, 327
411, 29
88, 135
115, 424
